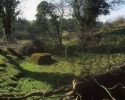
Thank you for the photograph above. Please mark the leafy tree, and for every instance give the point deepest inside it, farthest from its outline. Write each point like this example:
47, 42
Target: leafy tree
107, 24
7, 15
46, 19
69, 24
87, 11
24, 29
49, 19
98, 25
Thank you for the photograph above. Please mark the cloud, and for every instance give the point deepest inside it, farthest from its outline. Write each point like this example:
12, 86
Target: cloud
113, 15
30, 9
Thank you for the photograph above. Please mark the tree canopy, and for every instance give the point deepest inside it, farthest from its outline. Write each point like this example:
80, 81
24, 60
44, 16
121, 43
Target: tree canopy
86, 12
8, 13
48, 21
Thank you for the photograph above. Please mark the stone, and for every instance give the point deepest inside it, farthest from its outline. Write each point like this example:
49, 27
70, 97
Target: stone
40, 58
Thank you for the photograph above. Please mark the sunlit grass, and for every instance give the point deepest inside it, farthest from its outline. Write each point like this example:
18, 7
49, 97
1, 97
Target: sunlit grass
65, 33
48, 77
73, 41
62, 72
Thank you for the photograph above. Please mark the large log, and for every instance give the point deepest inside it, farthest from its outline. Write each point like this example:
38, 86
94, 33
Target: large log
99, 87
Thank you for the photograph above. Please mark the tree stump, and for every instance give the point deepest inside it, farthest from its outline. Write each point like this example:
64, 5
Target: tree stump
40, 58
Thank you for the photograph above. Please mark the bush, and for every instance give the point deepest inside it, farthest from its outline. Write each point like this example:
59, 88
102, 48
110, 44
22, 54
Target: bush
107, 25
120, 21
34, 47
57, 49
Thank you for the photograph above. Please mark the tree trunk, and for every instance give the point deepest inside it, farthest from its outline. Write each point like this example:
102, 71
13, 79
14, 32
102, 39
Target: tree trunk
99, 87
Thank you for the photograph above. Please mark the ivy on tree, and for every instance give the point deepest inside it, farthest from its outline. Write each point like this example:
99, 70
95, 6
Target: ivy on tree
7, 15
48, 23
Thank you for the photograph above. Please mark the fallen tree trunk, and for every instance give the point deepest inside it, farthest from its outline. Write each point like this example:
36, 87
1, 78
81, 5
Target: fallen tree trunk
99, 87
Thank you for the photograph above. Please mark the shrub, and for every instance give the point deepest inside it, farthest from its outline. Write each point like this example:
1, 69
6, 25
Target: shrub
107, 25
57, 49
33, 47
120, 21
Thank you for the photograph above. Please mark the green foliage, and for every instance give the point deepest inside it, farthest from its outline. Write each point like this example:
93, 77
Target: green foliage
48, 23
31, 47
8, 13
45, 12
70, 25
98, 25
24, 29
87, 11
120, 21
107, 25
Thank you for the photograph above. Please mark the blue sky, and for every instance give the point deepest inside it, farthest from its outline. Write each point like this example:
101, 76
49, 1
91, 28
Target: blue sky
31, 5
113, 15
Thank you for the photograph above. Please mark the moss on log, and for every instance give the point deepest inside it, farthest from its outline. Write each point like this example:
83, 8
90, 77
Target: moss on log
40, 58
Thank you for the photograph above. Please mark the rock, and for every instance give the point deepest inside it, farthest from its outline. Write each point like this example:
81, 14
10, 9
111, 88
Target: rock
40, 58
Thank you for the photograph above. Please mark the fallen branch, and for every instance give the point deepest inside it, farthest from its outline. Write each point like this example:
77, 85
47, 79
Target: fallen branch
60, 90
91, 89
104, 89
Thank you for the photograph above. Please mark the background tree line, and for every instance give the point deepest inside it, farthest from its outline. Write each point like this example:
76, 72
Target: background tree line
53, 17
25, 29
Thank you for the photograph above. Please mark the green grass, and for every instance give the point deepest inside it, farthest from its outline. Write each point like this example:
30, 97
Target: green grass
73, 41
48, 77
9, 73
65, 33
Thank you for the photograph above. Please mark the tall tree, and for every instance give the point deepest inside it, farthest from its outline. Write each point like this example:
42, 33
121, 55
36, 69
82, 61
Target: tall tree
7, 15
46, 18
87, 11
50, 19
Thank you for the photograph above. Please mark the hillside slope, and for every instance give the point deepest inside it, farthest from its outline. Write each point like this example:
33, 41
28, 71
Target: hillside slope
10, 71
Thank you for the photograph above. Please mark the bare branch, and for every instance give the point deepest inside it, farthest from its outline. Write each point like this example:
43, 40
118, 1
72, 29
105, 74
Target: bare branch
61, 90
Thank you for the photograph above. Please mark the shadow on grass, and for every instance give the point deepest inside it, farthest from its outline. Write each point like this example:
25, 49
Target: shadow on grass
11, 60
54, 79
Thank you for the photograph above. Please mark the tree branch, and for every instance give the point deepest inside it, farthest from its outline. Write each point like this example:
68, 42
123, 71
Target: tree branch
60, 90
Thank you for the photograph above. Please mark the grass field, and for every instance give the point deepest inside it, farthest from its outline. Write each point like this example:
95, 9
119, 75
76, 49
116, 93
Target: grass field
61, 72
